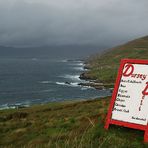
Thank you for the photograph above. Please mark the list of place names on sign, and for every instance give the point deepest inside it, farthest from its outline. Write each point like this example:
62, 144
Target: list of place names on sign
131, 104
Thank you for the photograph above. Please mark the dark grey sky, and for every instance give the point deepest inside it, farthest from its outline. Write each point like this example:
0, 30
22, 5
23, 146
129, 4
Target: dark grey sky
65, 22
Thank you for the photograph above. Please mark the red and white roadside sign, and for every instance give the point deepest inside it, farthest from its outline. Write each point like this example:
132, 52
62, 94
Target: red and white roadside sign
129, 103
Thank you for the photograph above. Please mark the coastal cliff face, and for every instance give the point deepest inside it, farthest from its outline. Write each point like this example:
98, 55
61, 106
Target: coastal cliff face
103, 68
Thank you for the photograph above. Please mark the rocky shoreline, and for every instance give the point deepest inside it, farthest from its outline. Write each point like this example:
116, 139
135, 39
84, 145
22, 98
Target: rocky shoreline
93, 82
99, 86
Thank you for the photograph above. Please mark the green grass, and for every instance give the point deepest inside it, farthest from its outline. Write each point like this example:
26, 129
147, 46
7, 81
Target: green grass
67, 124
75, 124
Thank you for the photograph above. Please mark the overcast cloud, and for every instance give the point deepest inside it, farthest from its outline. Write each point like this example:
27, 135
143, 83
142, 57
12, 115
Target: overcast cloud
66, 22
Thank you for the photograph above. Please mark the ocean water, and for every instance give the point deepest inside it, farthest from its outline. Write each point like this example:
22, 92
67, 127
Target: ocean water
27, 81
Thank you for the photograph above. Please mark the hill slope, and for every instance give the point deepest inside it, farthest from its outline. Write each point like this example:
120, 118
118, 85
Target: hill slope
75, 124
103, 68
65, 125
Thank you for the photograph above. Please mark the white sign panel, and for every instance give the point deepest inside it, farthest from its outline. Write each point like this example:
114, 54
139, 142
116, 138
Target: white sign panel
131, 104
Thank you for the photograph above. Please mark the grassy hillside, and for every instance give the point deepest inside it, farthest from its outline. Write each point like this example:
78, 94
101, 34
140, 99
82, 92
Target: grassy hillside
75, 124
104, 67
65, 125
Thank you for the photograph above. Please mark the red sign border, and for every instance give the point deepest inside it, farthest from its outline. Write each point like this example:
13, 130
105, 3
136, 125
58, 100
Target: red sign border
122, 123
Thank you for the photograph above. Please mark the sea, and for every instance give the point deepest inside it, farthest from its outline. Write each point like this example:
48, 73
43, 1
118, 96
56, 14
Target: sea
28, 81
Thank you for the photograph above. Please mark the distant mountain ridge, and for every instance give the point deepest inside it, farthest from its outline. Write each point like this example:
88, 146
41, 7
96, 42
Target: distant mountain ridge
66, 51
103, 68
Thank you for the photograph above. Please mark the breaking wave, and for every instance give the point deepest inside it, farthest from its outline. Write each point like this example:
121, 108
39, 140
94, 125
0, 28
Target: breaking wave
46, 82
14, 106
72, 84
79, 68
72, 77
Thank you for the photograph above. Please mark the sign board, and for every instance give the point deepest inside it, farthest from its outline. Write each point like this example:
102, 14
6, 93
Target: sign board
129, 103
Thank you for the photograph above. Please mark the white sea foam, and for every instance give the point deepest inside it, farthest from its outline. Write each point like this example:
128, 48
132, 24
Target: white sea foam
84, 88
80, 64
4, 106
45, 82
87, 87
72, 84
13, 106
61, 83
77, 64
79, 68
72, 77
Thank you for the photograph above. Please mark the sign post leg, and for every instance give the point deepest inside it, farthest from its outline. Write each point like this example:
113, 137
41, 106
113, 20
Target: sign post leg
146, 135
106, 124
